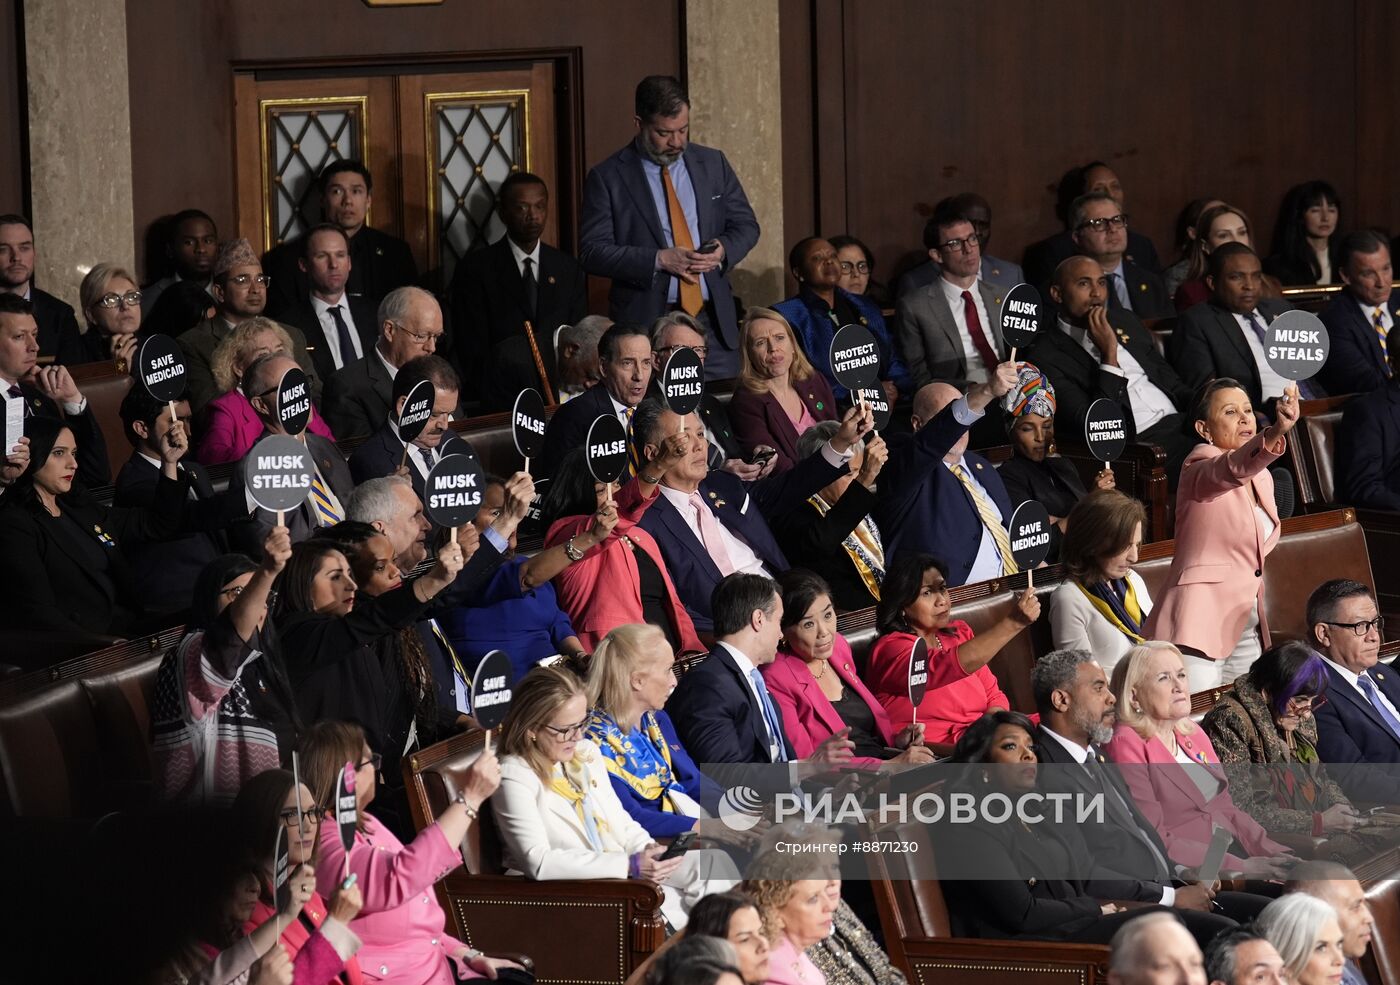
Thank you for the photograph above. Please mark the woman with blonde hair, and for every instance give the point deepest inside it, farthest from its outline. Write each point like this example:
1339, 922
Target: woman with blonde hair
111, 304
231, 426
779, 394
1308, 937
1216, 225
1172, 769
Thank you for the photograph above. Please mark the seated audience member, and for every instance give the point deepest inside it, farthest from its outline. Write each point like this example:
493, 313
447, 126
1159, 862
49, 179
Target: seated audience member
384, 452
622, 577
1095, 350
1264, 733
209, 946
576, 348
821, 306
937, 496
1304, 244
1360, 317
734, 917
240, 293
319, 939
722, 709
1102, 604
692, 960
1034, 471
1042, 258
1368, 443
67, 568
57, 327
1337, 886
331, 482
111, 306
1001, 274
790, 891
674, 330
359, 397
191, 244
165, 572
1153, 950
858, 271
813, 680
779, 394
390, 505
1360, 723
516, 280
230, 424
1307, 935
1226, 524
1244, 956
339, 327
1172, 769
851, 954
1217, 225
401, 924
556, 809
624, 357
223, 709
1225, 336
710, 524
184, 306
833, 533
961, 688
951, 329
1099, 227
1186, 232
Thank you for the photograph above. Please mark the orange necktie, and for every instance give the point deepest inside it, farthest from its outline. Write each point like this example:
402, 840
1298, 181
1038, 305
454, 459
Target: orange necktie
691, 301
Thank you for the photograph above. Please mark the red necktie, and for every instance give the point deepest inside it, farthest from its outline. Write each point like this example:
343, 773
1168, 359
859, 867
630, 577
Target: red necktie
979, 337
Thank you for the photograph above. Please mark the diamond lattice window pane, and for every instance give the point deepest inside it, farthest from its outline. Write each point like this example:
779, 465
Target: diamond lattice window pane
477, 144
301, 142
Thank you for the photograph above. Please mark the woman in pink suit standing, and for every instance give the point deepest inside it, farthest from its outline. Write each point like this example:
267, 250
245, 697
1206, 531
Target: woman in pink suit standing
1172, 770
1226, 522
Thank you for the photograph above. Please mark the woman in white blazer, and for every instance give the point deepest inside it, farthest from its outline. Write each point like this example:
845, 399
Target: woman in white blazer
556, 809
1102, 604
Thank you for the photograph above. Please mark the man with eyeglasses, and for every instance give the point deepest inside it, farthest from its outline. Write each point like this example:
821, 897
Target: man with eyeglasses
1099, 228
59, 339
384, 451
675, 330
1041, 259
1002, 274
240, 293
359, 396
1358, 729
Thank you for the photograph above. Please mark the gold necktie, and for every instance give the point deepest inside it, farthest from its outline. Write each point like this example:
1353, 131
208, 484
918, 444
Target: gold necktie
991, 519
690, 297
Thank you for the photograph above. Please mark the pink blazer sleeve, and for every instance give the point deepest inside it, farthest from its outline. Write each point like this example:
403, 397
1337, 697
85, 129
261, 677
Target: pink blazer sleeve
1249, 831
319, 426
387, 879
1208, 478
223, 440
786, 694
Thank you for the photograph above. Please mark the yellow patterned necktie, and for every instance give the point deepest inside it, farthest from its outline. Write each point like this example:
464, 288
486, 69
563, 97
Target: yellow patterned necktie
632, 463
991, 519
321, 498
1378, 320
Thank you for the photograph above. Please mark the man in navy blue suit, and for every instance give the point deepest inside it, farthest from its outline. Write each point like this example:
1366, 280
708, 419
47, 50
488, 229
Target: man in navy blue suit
667, 220
940, 499
1360, 317
1368, 443
711, 524
1358, 729
625, 360
384, 451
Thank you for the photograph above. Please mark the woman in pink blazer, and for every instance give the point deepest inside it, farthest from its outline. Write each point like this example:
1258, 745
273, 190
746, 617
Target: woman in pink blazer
1226, 522
1172, 770
814, 672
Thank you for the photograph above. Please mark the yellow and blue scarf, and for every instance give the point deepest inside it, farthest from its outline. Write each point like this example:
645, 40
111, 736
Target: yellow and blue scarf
641, 758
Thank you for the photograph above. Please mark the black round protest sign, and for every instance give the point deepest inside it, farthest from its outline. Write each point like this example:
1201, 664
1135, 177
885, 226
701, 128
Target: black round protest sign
878, 403
491, 689
346, 818
683, 381
417, 409
281, 869
1105, 430
855, 357
294, 401
452, 493
277, 472
606, 448
527, 423
160, 366
1022, 315
918, 672
1030, 534
1296, 345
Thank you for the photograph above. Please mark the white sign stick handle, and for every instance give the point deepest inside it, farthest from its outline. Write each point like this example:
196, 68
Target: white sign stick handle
1013, 353
279, 519
1030, 578
488, 740
172, 413
527, 464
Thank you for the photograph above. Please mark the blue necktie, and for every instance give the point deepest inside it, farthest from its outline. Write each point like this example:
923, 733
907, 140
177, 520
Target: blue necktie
1368, 687
342, 330
1120, 291
770, 714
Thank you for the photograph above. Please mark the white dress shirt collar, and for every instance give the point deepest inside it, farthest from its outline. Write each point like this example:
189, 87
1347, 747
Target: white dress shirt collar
519, 255
1080, 753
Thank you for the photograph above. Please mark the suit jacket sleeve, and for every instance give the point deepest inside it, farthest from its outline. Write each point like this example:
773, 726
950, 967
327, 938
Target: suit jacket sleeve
749, 418
1361, 458
811, 535
780, 492
93, 468
1216, 476
1350, 368
522, 824
26, 587
698, 711
740, 226
1189, 353
1004, 899
656, 822
1074, 399
599, 251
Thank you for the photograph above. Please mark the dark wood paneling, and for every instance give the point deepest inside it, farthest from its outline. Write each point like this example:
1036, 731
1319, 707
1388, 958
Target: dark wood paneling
14, 166
795, 67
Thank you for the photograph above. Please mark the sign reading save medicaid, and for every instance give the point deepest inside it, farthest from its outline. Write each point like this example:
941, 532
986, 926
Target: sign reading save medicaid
1296, 345
453, 490
855, 357
1022, 315
918, 673
160, 366
606, 448
417, 409
491, 689
1105, 430
878, 403
1030, 534
277, 473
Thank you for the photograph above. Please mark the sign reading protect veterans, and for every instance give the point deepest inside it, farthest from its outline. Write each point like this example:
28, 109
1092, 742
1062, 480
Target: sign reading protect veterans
345, 816
491, 689
1296, 345
527, 423
878, 403
1030, 534
453, 490
417, 409
1105, 430
683, 381
606, 448
160, 366
855, 357
277, 472
1022, 315
918, 673
294, 401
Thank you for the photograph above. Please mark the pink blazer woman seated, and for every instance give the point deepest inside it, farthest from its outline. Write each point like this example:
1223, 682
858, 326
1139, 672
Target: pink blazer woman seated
808, 715
232, 427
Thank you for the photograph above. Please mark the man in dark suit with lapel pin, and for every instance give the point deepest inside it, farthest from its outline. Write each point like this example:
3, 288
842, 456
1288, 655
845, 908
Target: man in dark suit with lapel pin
1368, 444
667, 220
1099, 227
515, 280
1041, 259
339, 327
1358, 729
59, 339
625, 359
1360, 317
384, 451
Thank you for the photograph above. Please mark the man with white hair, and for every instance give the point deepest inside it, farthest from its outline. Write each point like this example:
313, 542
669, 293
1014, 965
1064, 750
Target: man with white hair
1336, 885
1154, 949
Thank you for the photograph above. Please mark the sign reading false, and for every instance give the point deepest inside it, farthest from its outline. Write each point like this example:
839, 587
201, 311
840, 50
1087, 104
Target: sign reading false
277, 473
1030, 534
683, 381
416, 411
918, 674
1296, 345
855, 357
491, 689
879, 404
454, 488
1105, 430
1022, 314
160, 366
294, 401
527, 424
606, 448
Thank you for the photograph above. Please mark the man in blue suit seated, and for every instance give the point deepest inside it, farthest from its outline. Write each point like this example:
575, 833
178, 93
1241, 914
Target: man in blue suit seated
384, 451
938, 498
667, 220
1360, 317
1368, 443
711, 524
1358, 729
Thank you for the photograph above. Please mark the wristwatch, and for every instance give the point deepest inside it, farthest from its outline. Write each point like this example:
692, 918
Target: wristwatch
572, 552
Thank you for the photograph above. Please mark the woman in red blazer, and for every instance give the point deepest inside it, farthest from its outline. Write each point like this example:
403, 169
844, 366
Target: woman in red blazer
813, 680
1172, 770
1226, 522
779, 393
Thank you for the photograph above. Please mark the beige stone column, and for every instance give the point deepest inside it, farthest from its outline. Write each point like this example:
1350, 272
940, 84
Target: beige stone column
79, 139
732, 72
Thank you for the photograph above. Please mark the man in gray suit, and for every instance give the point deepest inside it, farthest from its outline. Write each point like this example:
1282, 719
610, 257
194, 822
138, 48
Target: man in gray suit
1002, 274
658, 263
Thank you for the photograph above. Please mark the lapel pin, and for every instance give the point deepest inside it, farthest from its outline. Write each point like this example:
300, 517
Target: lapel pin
551, 278
1142, 287
996, 300
979, 465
